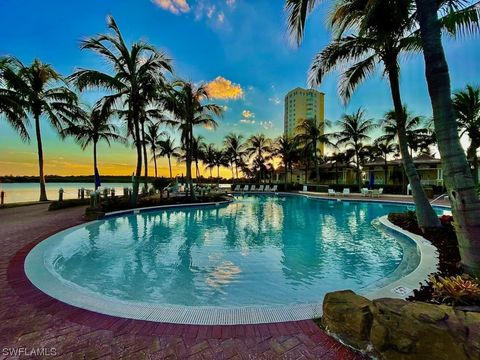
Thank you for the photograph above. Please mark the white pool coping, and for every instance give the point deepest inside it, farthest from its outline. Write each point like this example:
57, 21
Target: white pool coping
38, 273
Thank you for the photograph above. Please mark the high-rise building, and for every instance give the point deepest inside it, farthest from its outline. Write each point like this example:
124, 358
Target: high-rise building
301, 104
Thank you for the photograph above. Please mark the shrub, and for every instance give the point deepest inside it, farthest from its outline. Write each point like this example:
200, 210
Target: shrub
58, 205
455, 290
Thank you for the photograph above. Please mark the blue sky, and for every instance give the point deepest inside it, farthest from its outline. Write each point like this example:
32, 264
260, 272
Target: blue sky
244, 42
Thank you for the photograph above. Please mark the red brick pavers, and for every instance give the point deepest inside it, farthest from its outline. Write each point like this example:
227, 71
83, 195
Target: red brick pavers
30, 319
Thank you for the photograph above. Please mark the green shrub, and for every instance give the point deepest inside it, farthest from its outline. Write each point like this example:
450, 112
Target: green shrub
58, 205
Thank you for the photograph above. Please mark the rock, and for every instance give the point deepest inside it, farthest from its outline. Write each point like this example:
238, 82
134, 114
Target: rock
398, 329
349, 316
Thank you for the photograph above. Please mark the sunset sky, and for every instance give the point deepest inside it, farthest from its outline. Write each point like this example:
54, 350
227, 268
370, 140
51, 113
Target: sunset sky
240, 47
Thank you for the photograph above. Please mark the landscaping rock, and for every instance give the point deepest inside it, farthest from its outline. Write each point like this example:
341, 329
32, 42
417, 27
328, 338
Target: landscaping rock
398, 329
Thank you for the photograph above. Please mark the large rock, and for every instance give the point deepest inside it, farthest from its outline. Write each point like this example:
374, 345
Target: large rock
397, 329
349, 316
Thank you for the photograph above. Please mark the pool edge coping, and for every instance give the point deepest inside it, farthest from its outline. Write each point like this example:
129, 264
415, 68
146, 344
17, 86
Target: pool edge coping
205, 315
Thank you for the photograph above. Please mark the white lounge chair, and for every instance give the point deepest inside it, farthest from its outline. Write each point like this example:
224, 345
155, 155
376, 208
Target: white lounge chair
346, 192
261, 188
237, 188
245, 188
364, 192
377, 193
274, 188
267, 188
331, 192
253, 188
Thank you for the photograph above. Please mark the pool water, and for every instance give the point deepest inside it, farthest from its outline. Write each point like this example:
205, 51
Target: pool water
257, 250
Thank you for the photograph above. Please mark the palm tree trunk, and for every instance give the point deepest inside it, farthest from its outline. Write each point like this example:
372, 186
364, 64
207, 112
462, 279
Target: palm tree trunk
95, 163
43, 191
357, 160
145, 156
155, 163
458, 177
189, 161
385, 181
336, 172
426, 216
286, 177
138, 170
317, 170
170, 166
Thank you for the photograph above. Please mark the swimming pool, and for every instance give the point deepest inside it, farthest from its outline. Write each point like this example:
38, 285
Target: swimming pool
257, 251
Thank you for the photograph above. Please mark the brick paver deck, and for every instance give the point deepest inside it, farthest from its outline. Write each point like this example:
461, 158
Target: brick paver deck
30, 319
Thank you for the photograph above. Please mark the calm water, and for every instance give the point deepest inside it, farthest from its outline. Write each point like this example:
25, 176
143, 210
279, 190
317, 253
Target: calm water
21, 192
257, 250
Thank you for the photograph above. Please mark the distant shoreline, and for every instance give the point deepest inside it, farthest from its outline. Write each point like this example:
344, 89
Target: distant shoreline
68, 179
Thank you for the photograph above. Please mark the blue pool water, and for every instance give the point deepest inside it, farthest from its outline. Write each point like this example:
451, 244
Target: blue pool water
258, 250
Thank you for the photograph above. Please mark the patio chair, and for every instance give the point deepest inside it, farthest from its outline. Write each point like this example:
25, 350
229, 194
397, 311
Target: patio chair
261, 188
346, 192
331, 192
267, 188
245, 188
275, 187
253, 188
237, 188
364, 192
376, 193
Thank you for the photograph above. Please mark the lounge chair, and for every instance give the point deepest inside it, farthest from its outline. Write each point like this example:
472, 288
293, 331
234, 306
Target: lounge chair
261, 188
377, 193
346, 192
364, 192
245, 188
275, 187
237, 188
331, 192
267, 188
253, 188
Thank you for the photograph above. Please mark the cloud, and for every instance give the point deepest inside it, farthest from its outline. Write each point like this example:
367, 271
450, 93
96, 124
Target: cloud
174, 6
276, 100
247, 121
266, 125
247, 114
230, 3
224, 89
221, 17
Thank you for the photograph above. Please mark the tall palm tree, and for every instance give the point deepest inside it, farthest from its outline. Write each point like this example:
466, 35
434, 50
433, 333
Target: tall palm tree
418, 136
185, 101
310, 134
90, 129
234, 149
467, 109
152, 137
353, 133
384, 148
42, 95
12, 106
220, 160
166, 148
258, 148
136, 79
458, 178
341, 157
198, 150
286, 148
372, 41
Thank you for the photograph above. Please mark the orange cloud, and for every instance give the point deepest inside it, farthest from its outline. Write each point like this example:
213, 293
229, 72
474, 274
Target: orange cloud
224, 89
174, 6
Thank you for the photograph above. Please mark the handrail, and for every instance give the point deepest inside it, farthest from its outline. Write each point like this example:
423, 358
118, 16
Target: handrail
438, 198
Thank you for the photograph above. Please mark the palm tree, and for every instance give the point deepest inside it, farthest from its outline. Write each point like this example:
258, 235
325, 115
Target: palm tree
90, 129
136, 80
220, 160
184, 101
384, 148
198, 149
467, 109
341, 157
310, 134
234, 149
258, 148
458, 177
418, 137
166, 147
42, 95
12, 106
152, 137
373, 41
286, 148
209, 157
353, 133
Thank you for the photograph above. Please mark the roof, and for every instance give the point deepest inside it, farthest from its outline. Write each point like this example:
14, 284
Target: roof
421, 159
